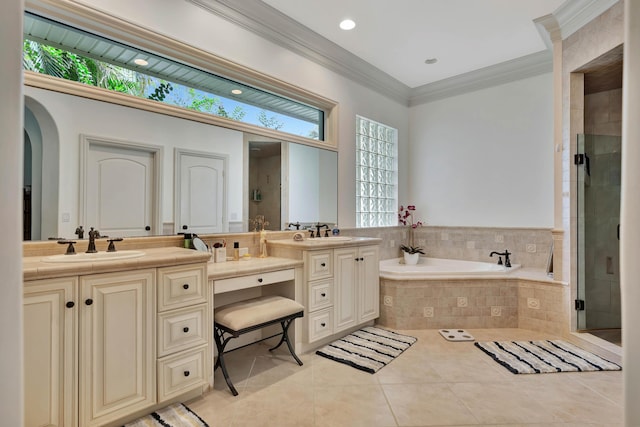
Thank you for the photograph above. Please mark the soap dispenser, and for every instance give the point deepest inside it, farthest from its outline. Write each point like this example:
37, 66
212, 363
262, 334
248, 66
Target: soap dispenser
335, 230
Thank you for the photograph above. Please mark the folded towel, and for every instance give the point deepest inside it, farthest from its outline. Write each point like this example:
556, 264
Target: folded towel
298, 237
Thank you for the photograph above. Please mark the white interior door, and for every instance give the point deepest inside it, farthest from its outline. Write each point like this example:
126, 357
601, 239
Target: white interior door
200, 192
120, 191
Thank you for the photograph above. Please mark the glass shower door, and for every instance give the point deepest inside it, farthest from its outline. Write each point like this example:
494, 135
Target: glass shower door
598, 197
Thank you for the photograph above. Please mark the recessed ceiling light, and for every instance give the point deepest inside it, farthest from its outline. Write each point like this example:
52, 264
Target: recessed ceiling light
347, 24
431, 61
236, 91
141, 61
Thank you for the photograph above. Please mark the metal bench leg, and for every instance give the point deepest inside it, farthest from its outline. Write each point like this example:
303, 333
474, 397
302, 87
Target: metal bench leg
220, 345
285, 338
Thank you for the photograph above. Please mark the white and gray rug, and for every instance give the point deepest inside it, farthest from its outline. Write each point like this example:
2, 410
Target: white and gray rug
176, 415
535, 357
367, 349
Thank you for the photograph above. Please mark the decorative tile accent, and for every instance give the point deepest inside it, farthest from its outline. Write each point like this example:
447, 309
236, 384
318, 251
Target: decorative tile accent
463, 302
496, 311
533, 303
388, 300
428, 312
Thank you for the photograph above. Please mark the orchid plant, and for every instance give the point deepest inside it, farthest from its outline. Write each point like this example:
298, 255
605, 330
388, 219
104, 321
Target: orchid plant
406, 217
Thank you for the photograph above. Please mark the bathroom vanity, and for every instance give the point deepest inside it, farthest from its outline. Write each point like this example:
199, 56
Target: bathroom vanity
339, 286
109, 339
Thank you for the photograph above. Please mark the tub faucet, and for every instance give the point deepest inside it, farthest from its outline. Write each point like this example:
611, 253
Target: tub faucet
506, 253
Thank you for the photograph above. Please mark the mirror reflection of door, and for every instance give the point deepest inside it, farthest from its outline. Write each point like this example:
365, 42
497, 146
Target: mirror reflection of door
200, 192
265, 182
120, 188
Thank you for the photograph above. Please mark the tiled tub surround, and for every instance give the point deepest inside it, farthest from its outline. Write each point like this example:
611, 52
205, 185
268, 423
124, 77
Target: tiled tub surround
529, 246
523, 299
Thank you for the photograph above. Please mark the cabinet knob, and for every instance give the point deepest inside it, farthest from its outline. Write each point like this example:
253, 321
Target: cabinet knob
185, 329
185, 286
187, 373
323, 324
70, 304
260, 280
323, 265
88, 301
323, 295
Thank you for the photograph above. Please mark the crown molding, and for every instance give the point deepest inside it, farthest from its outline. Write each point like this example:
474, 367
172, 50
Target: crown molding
494, 75
574, 14
271, 24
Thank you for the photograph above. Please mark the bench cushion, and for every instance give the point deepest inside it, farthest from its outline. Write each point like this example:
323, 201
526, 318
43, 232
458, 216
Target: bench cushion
255, 311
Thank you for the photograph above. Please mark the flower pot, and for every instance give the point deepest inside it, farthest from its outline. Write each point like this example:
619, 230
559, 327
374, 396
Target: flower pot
411, 259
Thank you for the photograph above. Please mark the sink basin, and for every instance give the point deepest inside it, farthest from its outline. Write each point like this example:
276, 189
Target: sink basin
97, 257
329, 239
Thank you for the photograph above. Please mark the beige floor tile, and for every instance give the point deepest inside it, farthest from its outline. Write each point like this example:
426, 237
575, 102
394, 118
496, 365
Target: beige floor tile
426, 405
433, 383
501, 403
352, 406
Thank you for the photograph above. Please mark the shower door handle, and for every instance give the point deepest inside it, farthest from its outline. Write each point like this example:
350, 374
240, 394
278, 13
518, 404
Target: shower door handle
618, 232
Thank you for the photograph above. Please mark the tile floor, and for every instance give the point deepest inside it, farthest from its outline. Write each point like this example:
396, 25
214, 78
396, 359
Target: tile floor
434, 383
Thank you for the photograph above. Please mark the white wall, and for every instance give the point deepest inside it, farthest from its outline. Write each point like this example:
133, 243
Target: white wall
485, 158
183, 21
75, 116
11, 143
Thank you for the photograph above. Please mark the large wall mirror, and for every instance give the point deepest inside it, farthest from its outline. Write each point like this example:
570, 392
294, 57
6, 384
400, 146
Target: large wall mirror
284, 181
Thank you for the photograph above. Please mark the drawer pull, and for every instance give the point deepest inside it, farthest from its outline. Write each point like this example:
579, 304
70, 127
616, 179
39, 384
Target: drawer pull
185, 329
260, 280
185, 286
323, 324
323, 265
70, 304
187, 373
323, 295
88, 301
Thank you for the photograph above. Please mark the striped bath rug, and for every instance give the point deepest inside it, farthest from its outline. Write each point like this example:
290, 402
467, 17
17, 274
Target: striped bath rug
536, 357
176, 415
367, 349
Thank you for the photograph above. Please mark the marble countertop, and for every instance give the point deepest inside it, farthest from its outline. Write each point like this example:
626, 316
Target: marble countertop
34, 267
253, 265
325, 242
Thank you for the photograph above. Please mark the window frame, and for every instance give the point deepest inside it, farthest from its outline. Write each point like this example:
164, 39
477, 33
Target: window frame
108, 26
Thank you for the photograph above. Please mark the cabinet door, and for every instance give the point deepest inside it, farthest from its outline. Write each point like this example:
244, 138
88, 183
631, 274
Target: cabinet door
369, 283
117, 347
345, 288
50, 352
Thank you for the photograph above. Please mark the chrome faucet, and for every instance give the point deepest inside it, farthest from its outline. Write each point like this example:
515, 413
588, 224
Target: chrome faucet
506, 253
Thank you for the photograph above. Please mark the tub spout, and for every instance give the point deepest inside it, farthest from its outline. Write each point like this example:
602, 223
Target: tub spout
506, 253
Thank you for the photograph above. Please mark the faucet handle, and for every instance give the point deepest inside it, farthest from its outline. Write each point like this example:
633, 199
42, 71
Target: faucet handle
70, 249
311, 231
112, 247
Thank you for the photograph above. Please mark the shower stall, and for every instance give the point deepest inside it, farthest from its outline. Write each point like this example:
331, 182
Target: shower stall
598, 160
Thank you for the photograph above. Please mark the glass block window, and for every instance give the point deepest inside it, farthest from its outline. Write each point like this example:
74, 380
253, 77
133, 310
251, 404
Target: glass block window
376, 174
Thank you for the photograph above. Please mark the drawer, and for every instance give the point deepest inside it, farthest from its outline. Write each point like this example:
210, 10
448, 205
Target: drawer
244, 282
182, 329
320, 294
320, 324
181, 373
181, 286
320, 265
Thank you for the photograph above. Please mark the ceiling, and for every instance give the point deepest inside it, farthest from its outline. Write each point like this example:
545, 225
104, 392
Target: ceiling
398, 36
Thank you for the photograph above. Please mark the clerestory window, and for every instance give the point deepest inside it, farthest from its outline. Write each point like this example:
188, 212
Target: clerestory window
376, 174
66, 52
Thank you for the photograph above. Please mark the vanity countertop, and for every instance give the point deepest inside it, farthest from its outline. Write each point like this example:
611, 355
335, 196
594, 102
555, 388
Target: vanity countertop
325, 242
34, 267
221, 270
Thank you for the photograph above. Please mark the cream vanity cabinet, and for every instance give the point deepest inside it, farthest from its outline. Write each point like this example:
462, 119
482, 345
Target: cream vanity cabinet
92, 354
342, 289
